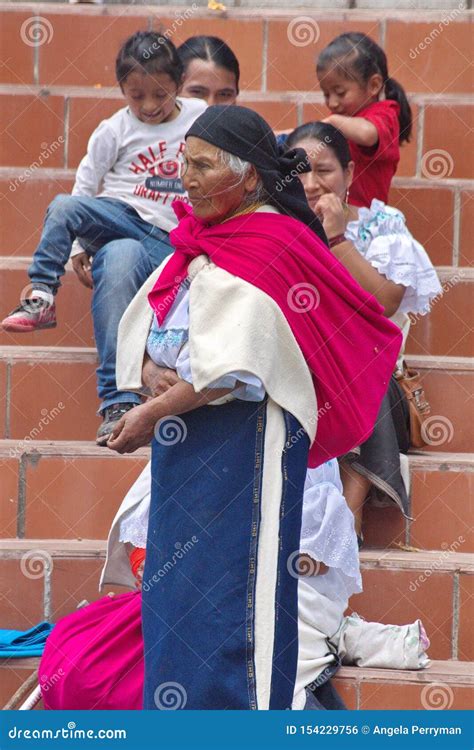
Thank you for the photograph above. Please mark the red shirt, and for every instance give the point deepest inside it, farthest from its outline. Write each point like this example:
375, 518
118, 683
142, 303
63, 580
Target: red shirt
375, 166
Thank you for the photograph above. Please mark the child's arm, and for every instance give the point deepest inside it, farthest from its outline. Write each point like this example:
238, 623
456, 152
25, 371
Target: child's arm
356, 129
102, 152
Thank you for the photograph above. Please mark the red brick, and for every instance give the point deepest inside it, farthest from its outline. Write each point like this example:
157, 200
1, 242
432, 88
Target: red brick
68, 498
466, 618
448, 129
85, 114
9, 495
450, 397
3, 399
314, 112
21, 597
407, 164
429, 217
383, 696
291, 67
447, 330
245, 38
11, 678
383, 527
280, 115
33, 130
442, 510
83, 48
74, 580
347, 691
388, 598
23, 208
466, 250
64, 404
17, 56
72, 309
426, 71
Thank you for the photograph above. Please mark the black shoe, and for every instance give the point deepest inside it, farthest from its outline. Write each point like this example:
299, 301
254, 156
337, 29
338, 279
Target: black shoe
111, 415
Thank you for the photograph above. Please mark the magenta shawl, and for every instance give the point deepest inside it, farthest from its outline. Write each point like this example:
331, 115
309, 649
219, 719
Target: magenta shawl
348, 344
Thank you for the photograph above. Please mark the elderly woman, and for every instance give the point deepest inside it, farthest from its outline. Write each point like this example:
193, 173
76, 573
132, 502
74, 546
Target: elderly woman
233, 437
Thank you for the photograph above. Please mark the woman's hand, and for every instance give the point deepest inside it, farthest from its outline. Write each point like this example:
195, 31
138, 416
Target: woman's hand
157, 379
82, 267
330, 211
134, 430
139, 576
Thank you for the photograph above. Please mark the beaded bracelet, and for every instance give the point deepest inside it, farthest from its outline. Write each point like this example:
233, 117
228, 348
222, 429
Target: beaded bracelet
336, 240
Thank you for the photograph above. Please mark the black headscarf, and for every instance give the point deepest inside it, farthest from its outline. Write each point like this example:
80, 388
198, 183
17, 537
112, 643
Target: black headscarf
242, 132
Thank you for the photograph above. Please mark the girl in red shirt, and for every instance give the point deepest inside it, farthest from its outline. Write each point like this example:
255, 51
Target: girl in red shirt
369, 108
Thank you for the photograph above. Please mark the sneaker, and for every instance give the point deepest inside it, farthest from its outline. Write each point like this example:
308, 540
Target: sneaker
111, 415
32, 314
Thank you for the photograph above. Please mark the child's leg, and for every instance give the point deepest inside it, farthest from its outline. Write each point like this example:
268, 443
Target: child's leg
97, 220
118, 270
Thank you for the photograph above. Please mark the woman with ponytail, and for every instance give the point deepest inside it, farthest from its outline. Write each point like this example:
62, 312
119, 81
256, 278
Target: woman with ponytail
369, 108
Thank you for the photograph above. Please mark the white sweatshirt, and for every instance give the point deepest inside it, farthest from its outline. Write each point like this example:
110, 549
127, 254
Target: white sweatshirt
138, 163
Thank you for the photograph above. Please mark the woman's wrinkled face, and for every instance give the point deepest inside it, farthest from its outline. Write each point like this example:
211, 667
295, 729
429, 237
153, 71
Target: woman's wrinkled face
327, 174
214, 190
206, 80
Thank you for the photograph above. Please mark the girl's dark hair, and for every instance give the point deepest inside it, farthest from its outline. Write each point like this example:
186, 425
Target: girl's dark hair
210, 49
324, 133
148, 52
358, 57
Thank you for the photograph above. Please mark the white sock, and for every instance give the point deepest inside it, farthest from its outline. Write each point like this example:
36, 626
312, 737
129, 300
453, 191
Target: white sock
40, 294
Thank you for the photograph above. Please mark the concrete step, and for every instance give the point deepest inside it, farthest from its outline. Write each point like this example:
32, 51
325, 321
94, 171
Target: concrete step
446, 331
438, 211
39, 380
47, 578
72, 490
444, 684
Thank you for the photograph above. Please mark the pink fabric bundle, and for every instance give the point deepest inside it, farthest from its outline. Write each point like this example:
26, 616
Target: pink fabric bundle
350, 347
93, 658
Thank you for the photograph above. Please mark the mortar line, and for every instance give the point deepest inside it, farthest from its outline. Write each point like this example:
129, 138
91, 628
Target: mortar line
264, 55
383, 32
20, 529
456, 226
36, 54
47, 608
67, 112
455, 628
419, 146
8, 399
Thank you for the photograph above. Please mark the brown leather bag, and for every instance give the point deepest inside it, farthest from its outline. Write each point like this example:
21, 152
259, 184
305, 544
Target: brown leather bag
419, 408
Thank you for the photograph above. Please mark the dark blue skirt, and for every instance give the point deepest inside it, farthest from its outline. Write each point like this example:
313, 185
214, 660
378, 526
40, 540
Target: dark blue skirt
220, 605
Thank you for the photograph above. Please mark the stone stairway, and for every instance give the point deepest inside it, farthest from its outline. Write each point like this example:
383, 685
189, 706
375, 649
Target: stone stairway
59, 492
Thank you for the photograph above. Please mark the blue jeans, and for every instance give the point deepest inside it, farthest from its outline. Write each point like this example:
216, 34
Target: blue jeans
125, 249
